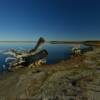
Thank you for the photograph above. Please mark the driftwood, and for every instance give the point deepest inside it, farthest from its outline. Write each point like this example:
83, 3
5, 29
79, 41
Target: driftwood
39, 43
28, 57
78, 51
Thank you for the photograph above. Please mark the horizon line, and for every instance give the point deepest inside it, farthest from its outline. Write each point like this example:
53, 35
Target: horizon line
48, 40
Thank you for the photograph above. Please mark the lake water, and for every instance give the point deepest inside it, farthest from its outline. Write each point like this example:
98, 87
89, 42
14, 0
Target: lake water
56, 52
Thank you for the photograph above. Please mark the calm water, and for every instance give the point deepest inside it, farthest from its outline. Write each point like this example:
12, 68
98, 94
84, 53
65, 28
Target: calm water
56, 52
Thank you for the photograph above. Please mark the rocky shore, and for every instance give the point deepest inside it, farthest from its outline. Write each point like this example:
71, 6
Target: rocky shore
75, 79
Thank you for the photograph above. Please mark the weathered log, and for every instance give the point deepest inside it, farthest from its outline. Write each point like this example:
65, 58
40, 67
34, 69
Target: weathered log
29, 59
39, 43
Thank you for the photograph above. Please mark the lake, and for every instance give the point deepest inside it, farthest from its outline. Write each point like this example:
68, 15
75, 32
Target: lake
57, 52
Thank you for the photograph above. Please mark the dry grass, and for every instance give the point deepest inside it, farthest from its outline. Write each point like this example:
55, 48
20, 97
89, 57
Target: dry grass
71, 79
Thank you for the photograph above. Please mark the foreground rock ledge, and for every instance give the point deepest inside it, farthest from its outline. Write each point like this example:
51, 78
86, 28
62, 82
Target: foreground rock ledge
74, 79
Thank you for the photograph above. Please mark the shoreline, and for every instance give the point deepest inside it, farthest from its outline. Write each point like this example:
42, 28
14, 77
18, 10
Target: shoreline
56, 80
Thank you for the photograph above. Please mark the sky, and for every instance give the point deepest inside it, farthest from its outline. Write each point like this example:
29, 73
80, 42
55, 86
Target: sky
26, 20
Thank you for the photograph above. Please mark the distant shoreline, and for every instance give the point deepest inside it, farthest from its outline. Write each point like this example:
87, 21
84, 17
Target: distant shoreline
91, 43
88, 43
18, 41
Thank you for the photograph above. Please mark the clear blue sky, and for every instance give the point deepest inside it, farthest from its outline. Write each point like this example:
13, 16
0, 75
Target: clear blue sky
52, 19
